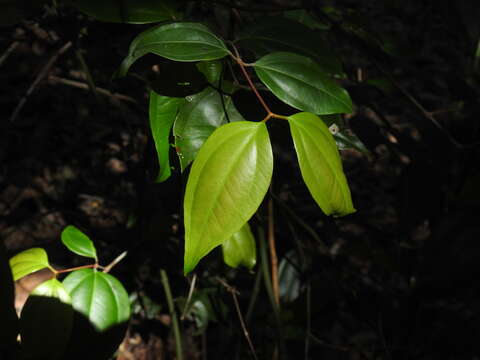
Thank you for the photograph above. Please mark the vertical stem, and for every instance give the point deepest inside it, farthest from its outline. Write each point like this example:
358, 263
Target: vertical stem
273, 253
88, 74
253, 298
173, 314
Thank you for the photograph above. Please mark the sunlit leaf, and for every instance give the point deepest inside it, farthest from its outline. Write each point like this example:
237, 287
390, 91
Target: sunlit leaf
300, 82
163, 110
128, 11
181, 41
46, 321
27, 262
240, 249
79, 243
198, 119
227, 183
320, 164
98, 296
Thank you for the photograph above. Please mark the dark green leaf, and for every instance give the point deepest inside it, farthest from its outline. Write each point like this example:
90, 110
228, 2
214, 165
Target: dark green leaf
240, 249
304, 17
27, 262
227, 183
128, 11
46, 321
198, 118
278, 34
320, 164
163, 110
212, 70
289, 277
98, 296
299, 81
177, 41
77, 242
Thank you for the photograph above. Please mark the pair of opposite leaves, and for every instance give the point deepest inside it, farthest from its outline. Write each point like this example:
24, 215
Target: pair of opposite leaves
232, 172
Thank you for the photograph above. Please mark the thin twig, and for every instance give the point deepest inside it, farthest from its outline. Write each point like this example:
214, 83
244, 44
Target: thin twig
38, 79
7, 53
234, 293
173, 315
83, 86
189, 297
115, 262
273, 252
88, 74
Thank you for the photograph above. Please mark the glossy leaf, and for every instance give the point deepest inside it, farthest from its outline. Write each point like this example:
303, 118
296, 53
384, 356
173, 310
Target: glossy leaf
279, 34
27, 262
227, 183
300, 82
128, 11
177, 41
77, 242
163, 110
240, 249
289, 277
98, 296
320, 164
46, 321
212, 70
198, 119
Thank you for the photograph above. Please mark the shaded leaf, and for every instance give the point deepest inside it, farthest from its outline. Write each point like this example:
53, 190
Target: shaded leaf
98, 296
177, 41
301, 83
227, 183
212, 70
279, 34
320, 164
128, 11
163, 110
303, 17
240, 249
77, 242
198, 119
289, 278
46, 321
27, 262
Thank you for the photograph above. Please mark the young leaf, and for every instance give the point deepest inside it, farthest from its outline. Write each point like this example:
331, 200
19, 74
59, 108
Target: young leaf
128, 11
98, 296
320, 164
177, 41
46, 321
77, 242
198, 118
163, 110
27, 262
240, 249
227, 183
300, 82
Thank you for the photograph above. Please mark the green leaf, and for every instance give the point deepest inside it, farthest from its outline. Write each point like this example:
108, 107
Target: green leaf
300, 82
27, 262
128, 11
289, 277
240, 249
198, 119
163, 110
320, 164
278, 34
227, 183
46, 321
303, 17
98, 296
177, 41
212, 70
77, 242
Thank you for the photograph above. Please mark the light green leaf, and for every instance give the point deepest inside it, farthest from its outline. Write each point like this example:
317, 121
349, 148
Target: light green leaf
46, 321
240, 249
180, 41
128, 11
300, 82
227, 183
163, 110
27, 262
198, 119
98, 296
212, 70
320, 164
274, 34
77, 242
